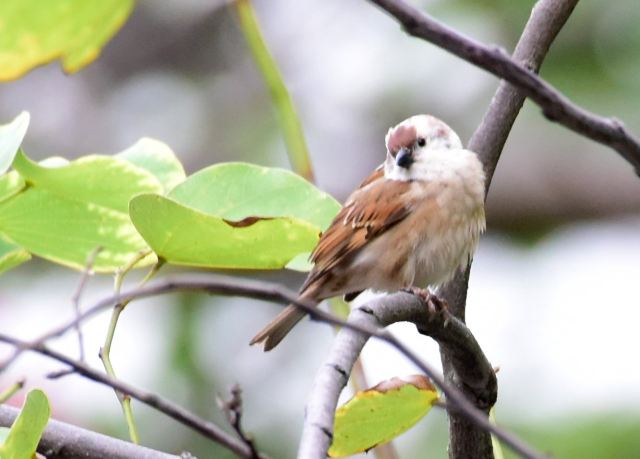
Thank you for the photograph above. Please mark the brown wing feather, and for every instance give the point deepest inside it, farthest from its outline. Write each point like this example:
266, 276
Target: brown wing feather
378, 173
368, 212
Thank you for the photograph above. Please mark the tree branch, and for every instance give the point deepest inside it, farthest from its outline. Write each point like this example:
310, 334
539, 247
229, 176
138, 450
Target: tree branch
66, 441
547, 18
450, 333
233, 411
227, 285
208, 429
555, 106
470, 375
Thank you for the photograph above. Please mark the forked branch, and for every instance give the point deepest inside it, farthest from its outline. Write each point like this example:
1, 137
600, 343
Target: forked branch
519, 72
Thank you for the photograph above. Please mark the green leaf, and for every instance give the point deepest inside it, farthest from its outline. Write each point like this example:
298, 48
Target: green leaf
25, 433
4, 433
66, 212
186, 236
379, 414
300, 262
157, 158
11, 134
66, 231
102, 180
11, 184
238, 190
11, 256
36, 32
280, 215
495, 443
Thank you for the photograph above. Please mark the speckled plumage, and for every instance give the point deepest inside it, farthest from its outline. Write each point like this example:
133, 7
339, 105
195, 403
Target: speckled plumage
405, 226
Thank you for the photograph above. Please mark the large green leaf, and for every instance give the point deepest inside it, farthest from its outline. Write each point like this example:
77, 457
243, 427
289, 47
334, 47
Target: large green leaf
379, 414
66, 231
11, 135
157, 158
186, 236
11, 256
278, 216
238, 190
66, 212
4, 433
35, 32
102, 180
11, 184
25, 433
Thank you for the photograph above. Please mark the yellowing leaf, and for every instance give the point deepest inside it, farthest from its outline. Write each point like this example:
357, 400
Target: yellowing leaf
35, 32
379, 414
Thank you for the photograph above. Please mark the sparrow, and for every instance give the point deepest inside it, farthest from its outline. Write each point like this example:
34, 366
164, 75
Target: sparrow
410, 225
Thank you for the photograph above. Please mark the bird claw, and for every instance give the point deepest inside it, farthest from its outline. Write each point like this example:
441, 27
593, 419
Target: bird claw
419, 292
435, 305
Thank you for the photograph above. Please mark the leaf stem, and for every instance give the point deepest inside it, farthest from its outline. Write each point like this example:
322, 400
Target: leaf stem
105, 351
11, 391
282, 101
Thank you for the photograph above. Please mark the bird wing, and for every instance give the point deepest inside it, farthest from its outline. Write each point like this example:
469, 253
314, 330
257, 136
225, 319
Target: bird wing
378, 173
368, 212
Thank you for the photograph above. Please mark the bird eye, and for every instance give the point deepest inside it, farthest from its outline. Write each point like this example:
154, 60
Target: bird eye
422, 142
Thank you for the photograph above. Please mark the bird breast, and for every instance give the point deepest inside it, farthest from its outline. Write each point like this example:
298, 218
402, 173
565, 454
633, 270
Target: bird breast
439, 236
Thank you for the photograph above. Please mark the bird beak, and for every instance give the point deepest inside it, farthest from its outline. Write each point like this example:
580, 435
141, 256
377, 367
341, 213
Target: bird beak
404, 158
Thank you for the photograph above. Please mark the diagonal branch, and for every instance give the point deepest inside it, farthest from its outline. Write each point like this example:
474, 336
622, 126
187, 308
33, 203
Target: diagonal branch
518, 71
61, 440
186, 417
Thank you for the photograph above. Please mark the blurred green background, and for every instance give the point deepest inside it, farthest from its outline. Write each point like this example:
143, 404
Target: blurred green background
553, 297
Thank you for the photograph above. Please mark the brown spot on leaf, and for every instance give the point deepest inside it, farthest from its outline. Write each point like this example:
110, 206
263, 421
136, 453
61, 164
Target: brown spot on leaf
247, 221
419, 381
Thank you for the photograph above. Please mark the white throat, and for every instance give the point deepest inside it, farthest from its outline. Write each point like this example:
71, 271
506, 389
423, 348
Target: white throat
435, 164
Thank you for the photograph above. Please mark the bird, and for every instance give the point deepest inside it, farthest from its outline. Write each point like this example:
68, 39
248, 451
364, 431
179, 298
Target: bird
410, 225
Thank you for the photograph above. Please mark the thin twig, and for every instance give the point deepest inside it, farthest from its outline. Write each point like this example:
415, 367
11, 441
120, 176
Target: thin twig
232, 409
161, 404
555, 106
75, 299
227, 285
11, 390
105, 350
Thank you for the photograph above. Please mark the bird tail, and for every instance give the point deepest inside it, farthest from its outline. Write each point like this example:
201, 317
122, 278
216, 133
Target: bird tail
278, 328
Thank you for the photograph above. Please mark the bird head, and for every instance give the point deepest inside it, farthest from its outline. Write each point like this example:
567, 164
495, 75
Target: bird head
412, 141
